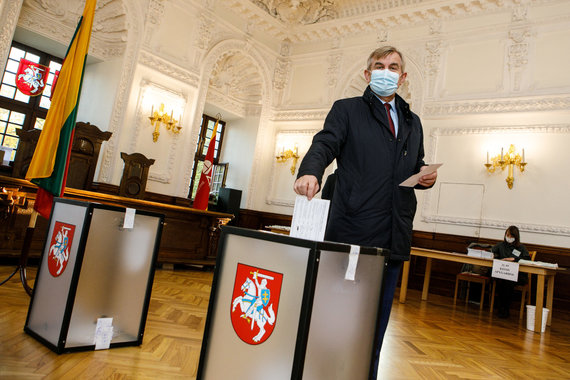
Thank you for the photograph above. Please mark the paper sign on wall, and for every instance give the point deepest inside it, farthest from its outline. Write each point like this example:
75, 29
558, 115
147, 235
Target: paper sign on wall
507, 270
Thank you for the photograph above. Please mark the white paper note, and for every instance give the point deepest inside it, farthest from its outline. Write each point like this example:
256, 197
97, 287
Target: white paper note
352, 262
129, 218
414, 179
507, 270
103, 333
309, 218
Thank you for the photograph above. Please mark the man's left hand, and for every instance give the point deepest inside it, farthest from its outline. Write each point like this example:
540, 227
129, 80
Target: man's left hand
428, 179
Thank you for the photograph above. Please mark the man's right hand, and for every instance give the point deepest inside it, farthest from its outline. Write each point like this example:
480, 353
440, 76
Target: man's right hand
307, 185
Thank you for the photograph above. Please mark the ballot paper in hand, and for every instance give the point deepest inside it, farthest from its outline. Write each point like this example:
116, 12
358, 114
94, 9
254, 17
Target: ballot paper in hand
309, 218
414, 179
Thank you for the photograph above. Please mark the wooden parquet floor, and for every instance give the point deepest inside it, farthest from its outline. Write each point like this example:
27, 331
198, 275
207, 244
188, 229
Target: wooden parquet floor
425, 340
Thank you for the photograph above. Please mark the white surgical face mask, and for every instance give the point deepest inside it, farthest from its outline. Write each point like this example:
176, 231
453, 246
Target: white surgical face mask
384, 82
510, 239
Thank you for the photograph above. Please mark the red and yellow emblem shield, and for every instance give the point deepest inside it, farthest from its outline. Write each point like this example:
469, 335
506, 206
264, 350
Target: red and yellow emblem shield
59, 247
31, 77
255, 301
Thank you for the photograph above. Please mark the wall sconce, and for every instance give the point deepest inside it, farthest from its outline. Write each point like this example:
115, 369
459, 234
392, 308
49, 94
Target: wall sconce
285, 155
160, 117
510, 159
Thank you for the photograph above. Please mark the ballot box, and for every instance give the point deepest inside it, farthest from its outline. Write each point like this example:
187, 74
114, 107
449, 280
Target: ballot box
94, 280
286, 308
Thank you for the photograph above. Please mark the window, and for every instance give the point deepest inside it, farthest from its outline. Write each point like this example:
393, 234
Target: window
220, 169
17, 110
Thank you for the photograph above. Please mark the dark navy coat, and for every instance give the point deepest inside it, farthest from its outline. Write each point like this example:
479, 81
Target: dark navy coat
368, 207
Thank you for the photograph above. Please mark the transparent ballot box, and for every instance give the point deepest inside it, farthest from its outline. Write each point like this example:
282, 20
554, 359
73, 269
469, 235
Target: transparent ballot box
286, 308
95, 277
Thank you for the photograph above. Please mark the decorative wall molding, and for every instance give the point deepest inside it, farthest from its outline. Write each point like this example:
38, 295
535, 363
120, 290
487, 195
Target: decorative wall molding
498, 225
358, 17
542, 129
150, 60
428, 199
475, 106
333, 70
299, 115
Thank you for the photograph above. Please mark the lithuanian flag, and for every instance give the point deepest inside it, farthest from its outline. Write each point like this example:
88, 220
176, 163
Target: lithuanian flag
48, 168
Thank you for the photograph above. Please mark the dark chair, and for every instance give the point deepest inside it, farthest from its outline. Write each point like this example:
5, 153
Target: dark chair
135, 175
85, 148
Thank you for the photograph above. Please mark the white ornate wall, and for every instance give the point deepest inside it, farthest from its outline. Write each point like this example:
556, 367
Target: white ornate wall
481, 75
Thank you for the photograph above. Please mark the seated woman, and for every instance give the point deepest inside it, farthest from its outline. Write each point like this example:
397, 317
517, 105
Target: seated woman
510, 249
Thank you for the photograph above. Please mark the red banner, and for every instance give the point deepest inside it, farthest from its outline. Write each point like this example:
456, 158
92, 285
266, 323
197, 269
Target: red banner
31, 77
204, 186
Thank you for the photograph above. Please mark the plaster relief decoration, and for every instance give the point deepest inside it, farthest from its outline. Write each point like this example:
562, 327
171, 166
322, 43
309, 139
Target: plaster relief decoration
154, 18
381, 37
204, 31
432, 64
57, 20
333, 70
518, 55
169, 69
235, 80
299, 11
281, 191
465, 149
151, 97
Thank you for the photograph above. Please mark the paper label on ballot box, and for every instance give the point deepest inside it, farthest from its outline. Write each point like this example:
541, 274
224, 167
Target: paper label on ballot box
255, 301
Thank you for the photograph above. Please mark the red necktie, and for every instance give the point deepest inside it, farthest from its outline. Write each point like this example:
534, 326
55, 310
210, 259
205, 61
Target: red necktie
392, 129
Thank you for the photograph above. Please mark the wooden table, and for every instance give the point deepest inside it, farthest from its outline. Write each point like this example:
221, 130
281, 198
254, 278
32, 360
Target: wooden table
542, 273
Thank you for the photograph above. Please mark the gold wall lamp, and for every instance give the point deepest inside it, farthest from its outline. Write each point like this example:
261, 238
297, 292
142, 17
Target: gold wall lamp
285, 155
160, 117
509, 160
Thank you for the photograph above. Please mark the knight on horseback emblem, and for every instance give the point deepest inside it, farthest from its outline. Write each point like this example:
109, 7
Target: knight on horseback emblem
254, 303
31, 78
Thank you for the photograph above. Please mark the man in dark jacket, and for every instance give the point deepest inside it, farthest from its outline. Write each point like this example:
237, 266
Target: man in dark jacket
376, 147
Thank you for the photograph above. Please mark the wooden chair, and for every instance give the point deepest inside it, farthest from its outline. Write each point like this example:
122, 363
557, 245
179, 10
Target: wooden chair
470, 277
524, 289
135, 175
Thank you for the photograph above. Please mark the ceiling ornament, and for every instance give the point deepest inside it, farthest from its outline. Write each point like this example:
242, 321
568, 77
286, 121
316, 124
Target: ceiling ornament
295, 12
304, 21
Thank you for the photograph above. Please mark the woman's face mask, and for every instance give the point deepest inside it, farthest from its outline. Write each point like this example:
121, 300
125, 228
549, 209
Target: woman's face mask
509, 239
384, 82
